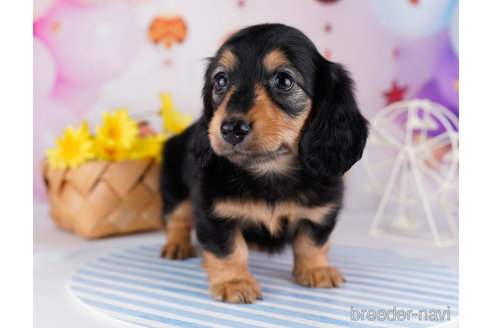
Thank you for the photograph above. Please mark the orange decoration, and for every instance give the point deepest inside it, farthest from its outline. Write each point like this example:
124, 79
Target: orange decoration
56, 27
168, 30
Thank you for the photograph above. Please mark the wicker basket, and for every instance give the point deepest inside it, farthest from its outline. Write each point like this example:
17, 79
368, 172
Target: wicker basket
101, 198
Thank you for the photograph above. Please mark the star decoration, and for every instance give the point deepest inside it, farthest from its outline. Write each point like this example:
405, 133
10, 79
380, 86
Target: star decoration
328, 28
395, 94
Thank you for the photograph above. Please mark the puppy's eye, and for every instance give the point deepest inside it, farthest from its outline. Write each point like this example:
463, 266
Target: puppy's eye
283, 81
221, 81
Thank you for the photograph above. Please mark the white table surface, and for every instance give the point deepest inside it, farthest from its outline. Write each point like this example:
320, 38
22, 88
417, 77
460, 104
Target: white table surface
58, 253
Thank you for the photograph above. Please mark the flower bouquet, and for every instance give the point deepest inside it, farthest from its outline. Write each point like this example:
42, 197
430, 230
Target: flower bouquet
107, 183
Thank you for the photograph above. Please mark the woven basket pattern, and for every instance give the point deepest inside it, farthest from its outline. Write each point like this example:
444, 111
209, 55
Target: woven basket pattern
101, 198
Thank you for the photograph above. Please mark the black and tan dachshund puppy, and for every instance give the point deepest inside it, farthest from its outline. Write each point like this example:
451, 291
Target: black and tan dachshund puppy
263, 165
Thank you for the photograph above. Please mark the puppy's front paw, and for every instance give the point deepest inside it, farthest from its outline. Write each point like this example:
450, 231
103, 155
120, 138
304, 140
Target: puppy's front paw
178, 251
320, 277
237, 291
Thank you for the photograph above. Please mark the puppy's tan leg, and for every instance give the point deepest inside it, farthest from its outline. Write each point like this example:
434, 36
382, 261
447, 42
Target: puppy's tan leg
178, 226
229, 277
311, 267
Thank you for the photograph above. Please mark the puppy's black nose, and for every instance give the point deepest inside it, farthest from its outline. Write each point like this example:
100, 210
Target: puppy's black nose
234, 131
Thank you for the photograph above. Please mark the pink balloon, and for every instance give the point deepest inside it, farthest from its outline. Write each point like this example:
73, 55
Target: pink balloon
51, 117
41, 7
78, 98
44, 70
93, 2
90, 43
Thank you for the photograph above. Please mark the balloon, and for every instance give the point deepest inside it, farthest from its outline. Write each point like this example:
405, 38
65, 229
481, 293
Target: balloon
454, 30
90, 43
413, 18
414, 67
50, 119
447, 76
44, 70
41, 7
93, 2
431, 91
77, 98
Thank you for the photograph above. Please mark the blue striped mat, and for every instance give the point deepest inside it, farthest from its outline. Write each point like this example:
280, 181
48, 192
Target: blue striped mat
140, 288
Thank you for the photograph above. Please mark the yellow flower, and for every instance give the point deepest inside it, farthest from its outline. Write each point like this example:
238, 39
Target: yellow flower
73, 149
107, 153
174, 121
116, 136
149, 147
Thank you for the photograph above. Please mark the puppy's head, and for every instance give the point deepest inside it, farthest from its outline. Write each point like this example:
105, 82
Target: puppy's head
270, 95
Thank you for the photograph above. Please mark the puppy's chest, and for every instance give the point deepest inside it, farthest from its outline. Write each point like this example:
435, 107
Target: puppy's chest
270, 215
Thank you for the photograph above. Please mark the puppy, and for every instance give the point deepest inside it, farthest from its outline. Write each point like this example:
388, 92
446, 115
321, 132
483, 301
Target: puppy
263, 165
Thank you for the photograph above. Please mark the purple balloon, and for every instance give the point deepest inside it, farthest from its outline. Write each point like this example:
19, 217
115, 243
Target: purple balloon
91, 44
447, 76
414, 65
44, 70
431, 91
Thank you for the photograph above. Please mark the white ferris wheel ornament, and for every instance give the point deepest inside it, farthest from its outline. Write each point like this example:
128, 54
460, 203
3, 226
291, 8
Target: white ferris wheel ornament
411, 160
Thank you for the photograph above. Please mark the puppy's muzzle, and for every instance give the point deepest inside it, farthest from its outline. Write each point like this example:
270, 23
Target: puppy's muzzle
235, 131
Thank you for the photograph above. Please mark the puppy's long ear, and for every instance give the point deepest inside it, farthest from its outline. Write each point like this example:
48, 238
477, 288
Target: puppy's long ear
336, 132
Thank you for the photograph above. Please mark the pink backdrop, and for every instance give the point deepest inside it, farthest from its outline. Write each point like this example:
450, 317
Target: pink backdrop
91, 55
